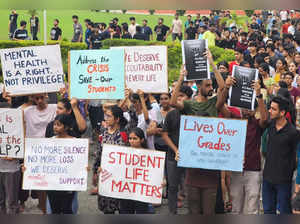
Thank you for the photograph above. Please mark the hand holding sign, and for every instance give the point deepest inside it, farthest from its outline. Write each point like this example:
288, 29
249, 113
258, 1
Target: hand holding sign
256, 86
230, 81
207, 54
183, 72
74, 103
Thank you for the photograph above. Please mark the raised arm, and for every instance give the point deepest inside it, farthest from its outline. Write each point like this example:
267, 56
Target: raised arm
217, 73
222, 96
144, 107
174, 96
79, 118
261, 105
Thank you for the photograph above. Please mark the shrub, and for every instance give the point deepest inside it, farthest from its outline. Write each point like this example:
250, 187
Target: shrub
180, 12
174, 53
249, 13
124, 11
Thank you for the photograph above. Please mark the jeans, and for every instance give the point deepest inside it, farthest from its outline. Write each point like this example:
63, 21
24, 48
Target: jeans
133, 207
178, 35
74, 204
245, 190
9, 188
276, 193
61, 201
174, 178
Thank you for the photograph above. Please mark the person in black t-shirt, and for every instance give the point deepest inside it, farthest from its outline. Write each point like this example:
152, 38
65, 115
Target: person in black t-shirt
147, 30
34, 26
226, 42
117, 29
190, 32
55, 33
161, 30
96, 38
139, 35
125, 33
280, 161
13, 17
170, 135
21, 34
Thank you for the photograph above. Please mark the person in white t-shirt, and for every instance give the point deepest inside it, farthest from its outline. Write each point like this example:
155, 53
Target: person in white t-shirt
284, 15
146, 116
132, 26
176, 28
36, 119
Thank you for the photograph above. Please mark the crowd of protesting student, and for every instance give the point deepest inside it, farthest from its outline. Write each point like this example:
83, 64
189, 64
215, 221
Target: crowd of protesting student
142, 120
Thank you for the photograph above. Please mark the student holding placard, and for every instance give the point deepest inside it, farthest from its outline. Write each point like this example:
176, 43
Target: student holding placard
9, 183
61, 201
245, 186
202, 184
136, 140
36, 119
78, 127
113, 134
170, 135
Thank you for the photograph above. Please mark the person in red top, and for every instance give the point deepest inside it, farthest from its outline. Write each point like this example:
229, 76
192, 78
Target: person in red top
243, 42
239, 57
245, 186
285, 26
295, 93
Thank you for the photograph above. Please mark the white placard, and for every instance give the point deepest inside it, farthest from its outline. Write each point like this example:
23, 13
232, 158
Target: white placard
30, 70
11, 133
130, 173
146, 68
56, 164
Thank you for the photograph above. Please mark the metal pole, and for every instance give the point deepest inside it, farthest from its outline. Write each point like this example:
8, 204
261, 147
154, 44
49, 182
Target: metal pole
45, 27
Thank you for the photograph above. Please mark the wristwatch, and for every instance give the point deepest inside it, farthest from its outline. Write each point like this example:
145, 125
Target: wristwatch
260, 96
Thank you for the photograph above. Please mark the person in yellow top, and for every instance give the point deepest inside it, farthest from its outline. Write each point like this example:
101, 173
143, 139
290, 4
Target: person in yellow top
210, 35
281, 68
268, 81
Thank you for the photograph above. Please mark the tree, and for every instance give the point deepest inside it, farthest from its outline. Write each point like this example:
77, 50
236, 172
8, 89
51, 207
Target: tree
180, 12
32, 12
240, 22
151, 11
249, 13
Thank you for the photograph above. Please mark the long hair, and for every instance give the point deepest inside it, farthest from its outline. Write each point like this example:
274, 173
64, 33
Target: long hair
118, 114
139, 133
67, 104
65, 119
135, 96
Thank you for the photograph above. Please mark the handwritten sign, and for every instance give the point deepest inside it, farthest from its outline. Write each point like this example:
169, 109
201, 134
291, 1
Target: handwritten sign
146, 68
31, 70
97, 74
130, 173
212, 143
11, 133
242, 95
56, 164
197, 66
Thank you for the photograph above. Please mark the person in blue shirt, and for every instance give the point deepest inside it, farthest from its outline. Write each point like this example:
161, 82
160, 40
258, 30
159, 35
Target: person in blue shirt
187, 23
147, 30
88, 32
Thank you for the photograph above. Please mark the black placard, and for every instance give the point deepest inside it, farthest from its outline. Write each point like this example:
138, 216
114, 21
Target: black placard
242, 95
196, 65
